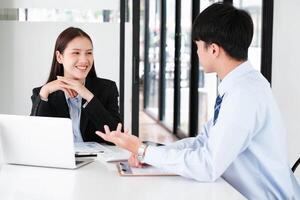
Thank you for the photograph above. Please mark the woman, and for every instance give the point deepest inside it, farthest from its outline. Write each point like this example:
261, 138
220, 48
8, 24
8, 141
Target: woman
74, 91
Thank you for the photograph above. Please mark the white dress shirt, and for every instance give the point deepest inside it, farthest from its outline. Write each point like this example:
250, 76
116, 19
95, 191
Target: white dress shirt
246, 146
74, 105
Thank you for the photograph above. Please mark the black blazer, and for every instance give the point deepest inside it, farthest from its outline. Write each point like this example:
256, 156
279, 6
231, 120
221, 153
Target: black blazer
102, 110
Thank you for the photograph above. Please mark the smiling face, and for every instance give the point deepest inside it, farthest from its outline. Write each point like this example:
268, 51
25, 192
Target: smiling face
77, 58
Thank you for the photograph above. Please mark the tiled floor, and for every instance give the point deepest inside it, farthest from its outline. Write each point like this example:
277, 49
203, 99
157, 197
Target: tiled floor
151, 131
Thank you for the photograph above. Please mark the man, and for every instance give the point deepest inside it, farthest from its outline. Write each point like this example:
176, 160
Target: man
245, 141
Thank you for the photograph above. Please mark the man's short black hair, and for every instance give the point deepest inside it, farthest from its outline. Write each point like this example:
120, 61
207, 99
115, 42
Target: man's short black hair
226, 26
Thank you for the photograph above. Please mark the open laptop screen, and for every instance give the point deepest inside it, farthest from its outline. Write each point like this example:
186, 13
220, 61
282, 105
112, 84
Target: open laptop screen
38, 141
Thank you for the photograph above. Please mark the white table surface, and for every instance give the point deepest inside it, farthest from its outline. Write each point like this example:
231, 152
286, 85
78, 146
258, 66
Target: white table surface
100, 180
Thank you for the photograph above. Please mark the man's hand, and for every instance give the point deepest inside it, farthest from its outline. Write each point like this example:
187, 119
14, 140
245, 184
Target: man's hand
134, 162
123, 140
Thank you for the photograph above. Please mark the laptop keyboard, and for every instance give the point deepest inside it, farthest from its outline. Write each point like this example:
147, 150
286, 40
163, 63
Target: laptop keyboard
77, 162
108, 154
90, 147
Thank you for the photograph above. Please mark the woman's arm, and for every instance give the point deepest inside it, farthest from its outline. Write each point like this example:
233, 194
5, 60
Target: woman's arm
107, 114
40, 107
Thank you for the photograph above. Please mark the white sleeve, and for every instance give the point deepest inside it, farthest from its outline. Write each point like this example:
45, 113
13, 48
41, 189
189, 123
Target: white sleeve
227, 138
193, 142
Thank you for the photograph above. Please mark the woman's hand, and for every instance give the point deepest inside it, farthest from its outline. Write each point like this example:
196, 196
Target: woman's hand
77, 87
54, 86
123, 140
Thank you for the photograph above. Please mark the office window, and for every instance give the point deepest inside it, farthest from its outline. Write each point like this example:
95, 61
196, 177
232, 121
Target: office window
254, 8
70, 15
207, 86
9, 14
189, 114
185, 67
59, 15
154, 63
142, 42
169, 56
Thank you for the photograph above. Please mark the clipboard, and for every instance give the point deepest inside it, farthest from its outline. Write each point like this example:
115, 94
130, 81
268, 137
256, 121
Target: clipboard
125, 170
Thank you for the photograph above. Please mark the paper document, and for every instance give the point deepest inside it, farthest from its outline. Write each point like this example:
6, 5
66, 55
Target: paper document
115, 154
108, 153
89, 148
125, 170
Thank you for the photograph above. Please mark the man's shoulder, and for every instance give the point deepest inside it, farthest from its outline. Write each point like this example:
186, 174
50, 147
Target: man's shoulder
251, 92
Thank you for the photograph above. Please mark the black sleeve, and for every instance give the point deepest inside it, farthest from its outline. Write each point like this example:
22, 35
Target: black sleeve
40, 107
107, 114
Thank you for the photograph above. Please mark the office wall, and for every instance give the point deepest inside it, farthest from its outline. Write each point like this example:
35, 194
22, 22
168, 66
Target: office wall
88, 4
26, 51
286, 69
26, 54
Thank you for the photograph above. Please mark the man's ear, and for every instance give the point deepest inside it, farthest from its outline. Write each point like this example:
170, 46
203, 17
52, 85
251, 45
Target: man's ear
215, 49
59, 57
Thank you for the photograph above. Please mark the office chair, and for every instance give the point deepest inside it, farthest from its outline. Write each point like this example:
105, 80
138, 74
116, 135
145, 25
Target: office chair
296, 165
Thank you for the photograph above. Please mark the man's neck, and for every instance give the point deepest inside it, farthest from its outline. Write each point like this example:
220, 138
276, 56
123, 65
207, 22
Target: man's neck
227, 66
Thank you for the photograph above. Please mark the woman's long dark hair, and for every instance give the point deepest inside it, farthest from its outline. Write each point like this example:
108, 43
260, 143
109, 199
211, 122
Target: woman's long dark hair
62, 41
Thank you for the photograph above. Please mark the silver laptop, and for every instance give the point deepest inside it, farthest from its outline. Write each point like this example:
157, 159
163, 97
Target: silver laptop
38, 141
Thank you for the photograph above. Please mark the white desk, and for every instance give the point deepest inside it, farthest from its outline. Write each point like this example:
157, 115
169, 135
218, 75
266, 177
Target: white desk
100, 180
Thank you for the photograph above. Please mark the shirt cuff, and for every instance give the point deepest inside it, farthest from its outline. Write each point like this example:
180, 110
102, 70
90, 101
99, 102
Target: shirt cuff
85, 104
153, 155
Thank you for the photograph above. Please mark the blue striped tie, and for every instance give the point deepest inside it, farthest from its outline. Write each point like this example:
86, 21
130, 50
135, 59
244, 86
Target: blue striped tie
217, 107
